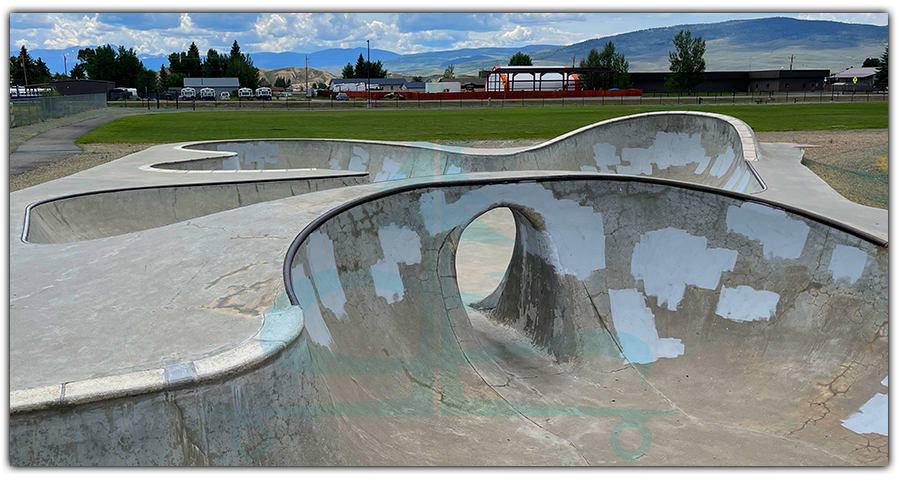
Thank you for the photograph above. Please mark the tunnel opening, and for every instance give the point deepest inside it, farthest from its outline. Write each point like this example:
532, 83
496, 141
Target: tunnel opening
483, 255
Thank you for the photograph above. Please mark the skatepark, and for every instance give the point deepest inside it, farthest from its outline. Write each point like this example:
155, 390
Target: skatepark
658, 289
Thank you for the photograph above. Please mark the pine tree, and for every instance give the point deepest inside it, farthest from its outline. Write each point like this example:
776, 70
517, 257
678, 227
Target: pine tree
881, 77
520, 59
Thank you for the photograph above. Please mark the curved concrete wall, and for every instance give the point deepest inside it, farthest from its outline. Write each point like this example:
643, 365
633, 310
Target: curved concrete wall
635, 321
692, 290
703, 148
110, 213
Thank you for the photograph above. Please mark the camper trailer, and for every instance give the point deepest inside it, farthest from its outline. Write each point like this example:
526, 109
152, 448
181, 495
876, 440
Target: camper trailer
188, 94
207, 94
264, 93
245, 93
225, 96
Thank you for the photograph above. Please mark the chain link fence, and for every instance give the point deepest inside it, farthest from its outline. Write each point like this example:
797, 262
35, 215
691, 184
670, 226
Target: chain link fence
31, 110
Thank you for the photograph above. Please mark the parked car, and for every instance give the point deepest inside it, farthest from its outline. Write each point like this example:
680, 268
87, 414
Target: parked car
342, 97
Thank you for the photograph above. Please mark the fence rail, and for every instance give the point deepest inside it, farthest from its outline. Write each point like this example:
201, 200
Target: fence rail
516, 100
29, 110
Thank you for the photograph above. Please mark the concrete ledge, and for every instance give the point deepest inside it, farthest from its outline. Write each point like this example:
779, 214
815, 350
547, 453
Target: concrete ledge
280, 328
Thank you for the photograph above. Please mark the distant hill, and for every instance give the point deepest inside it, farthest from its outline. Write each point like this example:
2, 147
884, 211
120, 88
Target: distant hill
743, 44
464, 60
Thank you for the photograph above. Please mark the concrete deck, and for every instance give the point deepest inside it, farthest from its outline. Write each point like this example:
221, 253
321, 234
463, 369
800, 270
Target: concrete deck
128, 317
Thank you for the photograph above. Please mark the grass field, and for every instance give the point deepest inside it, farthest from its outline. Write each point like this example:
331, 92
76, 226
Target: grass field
457, 124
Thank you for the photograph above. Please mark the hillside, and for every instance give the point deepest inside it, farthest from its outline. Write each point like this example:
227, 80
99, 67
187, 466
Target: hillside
743, 44
730, 46
297, 76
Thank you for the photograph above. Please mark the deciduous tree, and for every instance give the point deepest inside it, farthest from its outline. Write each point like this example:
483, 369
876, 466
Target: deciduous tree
686, 63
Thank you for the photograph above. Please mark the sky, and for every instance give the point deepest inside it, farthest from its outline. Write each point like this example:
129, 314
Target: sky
161, 33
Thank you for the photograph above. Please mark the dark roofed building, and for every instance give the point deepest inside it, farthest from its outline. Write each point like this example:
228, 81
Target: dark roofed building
386, 84
798, 80
81, 87
226, 84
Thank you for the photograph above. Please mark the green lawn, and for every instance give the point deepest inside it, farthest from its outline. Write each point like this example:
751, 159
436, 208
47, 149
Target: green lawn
458, 124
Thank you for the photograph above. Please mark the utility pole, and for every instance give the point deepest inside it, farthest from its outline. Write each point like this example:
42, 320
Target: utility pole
307, 76
792, 62
65, 66
24, 72
368, 75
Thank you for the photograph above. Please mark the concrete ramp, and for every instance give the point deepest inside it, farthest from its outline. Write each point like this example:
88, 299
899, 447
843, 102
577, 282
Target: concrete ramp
637, 322
702, 148
110, 213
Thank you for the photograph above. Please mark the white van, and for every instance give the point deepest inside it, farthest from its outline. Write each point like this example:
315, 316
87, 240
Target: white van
188, 93
264, 93
225, 96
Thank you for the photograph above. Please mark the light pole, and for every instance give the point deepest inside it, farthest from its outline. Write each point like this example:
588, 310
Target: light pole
368, 76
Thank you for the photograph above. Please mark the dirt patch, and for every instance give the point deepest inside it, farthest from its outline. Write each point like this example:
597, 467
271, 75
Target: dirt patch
853, 162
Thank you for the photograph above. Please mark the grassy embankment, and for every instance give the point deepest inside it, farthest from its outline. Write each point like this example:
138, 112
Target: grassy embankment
464, 124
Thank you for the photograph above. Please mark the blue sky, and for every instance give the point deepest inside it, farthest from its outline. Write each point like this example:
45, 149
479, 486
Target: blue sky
161, 33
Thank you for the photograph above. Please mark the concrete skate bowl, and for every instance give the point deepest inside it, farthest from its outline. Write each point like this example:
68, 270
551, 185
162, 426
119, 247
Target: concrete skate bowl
102, 214
638, 322
702, 148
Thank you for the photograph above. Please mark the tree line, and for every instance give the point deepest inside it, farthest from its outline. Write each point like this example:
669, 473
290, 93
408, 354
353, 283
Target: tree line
124, 67
363, 69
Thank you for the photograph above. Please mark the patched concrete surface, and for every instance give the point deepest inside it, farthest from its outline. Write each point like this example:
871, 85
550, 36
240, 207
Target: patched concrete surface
639, 320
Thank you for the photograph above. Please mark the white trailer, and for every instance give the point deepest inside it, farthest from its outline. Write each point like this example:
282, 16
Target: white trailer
207, 94
264, 93
436, 87
188, 93
245, 93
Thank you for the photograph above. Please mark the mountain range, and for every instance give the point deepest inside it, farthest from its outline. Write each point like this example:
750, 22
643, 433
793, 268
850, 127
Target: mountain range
754, 44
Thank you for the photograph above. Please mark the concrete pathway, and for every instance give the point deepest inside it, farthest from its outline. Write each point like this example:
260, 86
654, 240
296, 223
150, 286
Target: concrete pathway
53, 145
